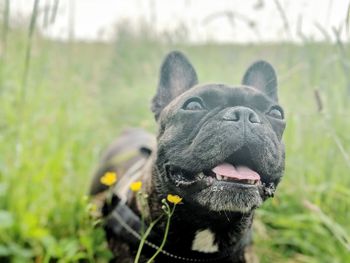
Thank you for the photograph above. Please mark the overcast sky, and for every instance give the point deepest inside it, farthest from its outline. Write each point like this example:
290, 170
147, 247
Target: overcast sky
219, 20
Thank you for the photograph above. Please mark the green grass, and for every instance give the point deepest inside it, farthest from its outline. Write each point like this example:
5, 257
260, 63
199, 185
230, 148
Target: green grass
80, 96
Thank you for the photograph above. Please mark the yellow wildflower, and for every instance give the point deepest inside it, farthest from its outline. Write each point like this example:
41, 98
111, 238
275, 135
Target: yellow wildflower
136, 186
175, 199
109, 178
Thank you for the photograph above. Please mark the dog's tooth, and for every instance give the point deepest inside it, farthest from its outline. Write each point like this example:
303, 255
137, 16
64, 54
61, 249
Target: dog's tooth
219, 177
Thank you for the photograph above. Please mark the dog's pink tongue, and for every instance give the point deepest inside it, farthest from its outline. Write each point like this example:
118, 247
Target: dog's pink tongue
239, 172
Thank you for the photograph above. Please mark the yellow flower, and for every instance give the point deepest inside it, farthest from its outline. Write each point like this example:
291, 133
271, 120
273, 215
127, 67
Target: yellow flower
136, 186
109, 178
175, 199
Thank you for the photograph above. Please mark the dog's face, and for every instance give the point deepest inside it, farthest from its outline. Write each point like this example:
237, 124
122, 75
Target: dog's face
219, 146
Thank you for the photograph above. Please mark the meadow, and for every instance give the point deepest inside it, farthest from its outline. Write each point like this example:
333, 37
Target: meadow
77, 97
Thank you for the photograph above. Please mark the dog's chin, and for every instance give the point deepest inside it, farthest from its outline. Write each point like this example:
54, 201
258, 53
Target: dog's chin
228, 198
209, 192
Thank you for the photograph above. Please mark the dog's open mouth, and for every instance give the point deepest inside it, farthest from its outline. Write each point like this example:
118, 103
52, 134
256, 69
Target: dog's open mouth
229, 173
223, 174
237, 169
237, 182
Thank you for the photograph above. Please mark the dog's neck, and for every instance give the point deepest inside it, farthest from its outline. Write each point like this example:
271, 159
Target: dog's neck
194, 232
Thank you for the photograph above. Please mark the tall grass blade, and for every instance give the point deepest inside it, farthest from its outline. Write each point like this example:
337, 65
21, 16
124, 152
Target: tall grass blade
46, 13
347, 19
5, 28
54, 11
338, 232
343, 58
284, 18
323, 32
29, 50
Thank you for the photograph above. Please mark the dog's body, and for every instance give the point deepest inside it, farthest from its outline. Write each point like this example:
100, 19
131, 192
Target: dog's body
218, 147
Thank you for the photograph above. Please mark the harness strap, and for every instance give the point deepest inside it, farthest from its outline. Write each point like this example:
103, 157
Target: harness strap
126, 224
133, 174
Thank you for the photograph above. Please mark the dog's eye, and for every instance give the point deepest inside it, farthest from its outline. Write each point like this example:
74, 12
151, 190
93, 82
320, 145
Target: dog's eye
276, 112
194, 104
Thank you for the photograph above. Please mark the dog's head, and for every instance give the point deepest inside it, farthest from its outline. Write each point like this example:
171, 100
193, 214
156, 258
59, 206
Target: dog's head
219, 146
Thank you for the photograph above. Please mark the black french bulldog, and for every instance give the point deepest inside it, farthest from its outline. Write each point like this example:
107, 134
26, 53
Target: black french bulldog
218, 147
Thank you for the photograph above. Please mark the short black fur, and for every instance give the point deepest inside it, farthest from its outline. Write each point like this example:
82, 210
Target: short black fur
201, 127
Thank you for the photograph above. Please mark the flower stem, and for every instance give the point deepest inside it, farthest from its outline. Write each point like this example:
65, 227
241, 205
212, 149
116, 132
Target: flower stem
165, 235
141, 202
144, 237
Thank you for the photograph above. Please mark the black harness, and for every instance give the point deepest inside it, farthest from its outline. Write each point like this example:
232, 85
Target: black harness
121, 222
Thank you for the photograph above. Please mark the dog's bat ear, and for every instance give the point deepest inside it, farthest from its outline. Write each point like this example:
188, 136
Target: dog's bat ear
177, 75
262, 76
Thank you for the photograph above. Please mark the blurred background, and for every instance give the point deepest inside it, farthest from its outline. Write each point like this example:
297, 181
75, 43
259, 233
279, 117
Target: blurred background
75, 73
225, 21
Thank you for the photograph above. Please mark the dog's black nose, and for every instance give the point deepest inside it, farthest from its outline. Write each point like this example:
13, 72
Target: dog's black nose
241, 114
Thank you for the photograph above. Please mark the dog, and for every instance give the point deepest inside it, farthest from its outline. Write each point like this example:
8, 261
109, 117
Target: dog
218, 147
